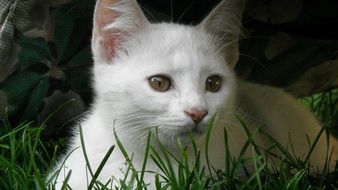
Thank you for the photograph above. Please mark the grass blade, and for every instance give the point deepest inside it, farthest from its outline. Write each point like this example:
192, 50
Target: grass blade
83, 146
145, 160
99, 169
126, 156
65, 182
211, 124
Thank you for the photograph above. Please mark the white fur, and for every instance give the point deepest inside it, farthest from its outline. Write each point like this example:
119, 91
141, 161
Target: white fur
125, 101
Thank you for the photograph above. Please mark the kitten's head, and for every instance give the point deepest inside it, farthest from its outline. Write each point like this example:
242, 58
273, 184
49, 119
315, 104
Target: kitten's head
168, 77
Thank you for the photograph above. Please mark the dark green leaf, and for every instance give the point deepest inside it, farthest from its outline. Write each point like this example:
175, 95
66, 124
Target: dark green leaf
78, 72
78, 9
63, 29
18, 87
35, 101
65, 19
33, 50
83, 58
79, 38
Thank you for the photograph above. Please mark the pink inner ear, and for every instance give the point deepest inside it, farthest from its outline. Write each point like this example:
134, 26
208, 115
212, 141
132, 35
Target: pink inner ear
109, 44
109, 39
115, 21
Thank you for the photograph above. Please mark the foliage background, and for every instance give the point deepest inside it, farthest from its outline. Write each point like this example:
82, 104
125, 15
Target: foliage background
45, 56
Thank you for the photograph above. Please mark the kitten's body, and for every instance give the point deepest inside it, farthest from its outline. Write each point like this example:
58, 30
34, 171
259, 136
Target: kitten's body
128, 50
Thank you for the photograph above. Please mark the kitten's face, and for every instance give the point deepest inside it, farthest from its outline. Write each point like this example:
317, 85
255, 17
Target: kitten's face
187, 62
169, 78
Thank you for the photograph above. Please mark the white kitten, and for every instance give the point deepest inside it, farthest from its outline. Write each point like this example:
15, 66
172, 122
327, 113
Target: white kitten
173, 79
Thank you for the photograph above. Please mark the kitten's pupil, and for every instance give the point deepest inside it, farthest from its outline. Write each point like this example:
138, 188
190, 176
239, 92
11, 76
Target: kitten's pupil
213, 83
159, 83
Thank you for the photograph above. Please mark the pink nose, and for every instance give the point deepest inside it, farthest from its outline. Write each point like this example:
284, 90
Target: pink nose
196, 114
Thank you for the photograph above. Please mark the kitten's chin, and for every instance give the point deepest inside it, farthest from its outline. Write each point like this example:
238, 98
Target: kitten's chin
186, 137
194, 132
183, 136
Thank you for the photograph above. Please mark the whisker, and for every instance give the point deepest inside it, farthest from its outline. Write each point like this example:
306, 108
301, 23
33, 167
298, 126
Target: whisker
171, 11
150, 13
185, 11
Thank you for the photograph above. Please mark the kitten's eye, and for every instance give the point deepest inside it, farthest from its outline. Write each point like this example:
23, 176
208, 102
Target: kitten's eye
213, 83
160, 83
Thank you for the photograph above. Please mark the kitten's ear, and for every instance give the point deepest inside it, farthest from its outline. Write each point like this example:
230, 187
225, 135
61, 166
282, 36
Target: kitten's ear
224, 23
114, 22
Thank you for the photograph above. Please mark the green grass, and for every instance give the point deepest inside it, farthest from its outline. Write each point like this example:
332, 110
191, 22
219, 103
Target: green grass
325, 106
26, 158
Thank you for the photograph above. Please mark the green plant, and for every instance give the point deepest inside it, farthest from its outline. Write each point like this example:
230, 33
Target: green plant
325, 106
24, 157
